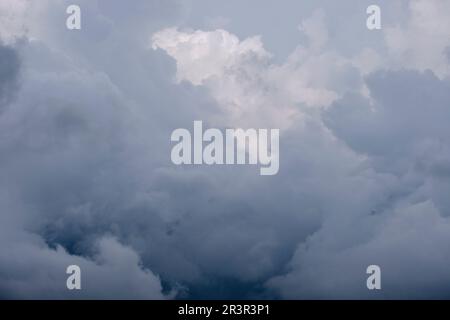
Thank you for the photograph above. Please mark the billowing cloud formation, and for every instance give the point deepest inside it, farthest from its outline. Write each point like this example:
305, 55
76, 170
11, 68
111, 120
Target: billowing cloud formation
86, 178
12, 15
247, 84
403, 133
423, 43
36, 133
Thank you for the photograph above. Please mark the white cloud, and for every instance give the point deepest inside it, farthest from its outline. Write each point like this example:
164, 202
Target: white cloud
203, 55
247, 84
423, 42
31, 270
12, 19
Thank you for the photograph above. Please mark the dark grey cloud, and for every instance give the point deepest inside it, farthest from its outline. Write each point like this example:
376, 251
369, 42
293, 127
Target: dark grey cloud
9, 74
86, 178
402, 133
408, 107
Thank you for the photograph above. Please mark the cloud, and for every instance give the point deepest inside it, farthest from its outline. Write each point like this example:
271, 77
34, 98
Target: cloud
31, 270
250, 88
86, 178
402, 132
202, 55
12, 19
409, 246
9, 73
422, 43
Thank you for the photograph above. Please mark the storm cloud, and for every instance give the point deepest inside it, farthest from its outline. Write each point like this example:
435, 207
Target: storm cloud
85, 170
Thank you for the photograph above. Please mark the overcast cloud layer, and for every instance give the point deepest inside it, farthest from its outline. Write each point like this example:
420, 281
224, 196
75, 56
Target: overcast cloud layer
85, 170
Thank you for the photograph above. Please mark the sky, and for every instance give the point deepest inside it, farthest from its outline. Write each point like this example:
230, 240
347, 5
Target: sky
86, 176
